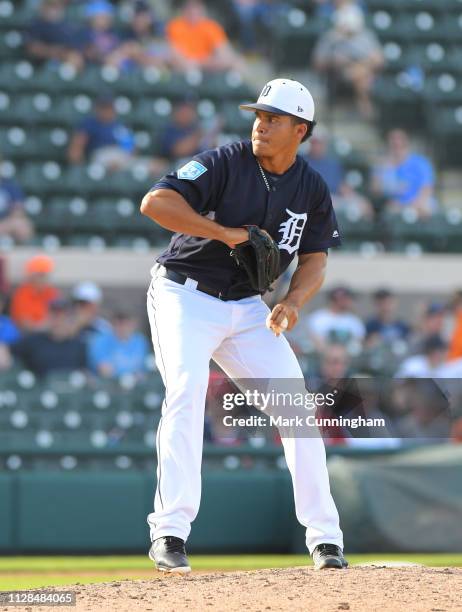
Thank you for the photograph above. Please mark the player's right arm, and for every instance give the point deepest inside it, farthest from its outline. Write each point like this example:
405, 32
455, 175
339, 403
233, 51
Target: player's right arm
170, 210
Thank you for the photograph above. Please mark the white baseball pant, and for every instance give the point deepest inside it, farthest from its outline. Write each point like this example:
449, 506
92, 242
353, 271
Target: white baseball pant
188, 329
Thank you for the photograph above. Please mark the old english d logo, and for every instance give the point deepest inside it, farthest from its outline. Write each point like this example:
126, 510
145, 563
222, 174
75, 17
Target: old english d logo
292, 231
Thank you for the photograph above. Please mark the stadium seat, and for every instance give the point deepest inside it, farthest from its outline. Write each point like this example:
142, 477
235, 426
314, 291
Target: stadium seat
151, 113
12, 16
11, 42
398, 91
237, 121
294, 39
17, 76
15, 143
41, 178
444, 88
446, 134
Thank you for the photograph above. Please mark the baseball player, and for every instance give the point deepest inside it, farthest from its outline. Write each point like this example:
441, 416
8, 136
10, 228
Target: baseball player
201, 306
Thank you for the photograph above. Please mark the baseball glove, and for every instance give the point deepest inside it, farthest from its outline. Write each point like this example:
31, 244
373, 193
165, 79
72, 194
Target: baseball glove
260, 258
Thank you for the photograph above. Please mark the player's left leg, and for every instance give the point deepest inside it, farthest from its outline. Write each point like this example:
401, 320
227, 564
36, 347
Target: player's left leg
254, 352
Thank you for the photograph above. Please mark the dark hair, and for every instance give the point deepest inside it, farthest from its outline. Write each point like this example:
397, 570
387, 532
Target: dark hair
309, 124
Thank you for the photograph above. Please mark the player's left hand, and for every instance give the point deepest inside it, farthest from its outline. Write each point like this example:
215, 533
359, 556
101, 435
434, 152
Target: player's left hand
283, 317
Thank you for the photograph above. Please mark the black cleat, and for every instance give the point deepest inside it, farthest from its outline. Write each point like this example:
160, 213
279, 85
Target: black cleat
169, 555
328, 556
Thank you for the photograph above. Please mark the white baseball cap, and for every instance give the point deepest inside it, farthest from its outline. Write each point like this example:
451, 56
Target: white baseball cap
284, 97
87, 292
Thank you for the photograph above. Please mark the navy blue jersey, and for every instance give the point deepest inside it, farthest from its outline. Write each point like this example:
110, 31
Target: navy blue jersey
226, 185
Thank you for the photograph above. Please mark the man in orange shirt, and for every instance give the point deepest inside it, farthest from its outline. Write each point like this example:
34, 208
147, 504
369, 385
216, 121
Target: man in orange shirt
30, 301
200, 42
455, 345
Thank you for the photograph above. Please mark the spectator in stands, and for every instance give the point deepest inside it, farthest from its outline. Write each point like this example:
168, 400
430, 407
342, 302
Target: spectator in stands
404, 178
337, 322
432, 323
31, 299
102, 138
455, 346
122, 351
427, 363
350, 54
87, 298
105, 45
383, 326
330, 168
335, 362
52, 37
55, 349
252, 15
334, 377
9, 334
326, 8
4, 284
426, 415
200, 42
13, 219
185, 136
148, 46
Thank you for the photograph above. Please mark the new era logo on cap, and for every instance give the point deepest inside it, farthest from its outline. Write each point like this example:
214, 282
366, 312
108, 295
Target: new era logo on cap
335, 234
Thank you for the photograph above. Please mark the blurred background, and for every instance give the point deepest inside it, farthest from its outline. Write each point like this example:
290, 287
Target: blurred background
97, 100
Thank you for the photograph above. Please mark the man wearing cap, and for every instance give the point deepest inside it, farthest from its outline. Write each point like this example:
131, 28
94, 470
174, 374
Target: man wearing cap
87, 298
102, 138
201, 306
31, 299
57, 348
337, 321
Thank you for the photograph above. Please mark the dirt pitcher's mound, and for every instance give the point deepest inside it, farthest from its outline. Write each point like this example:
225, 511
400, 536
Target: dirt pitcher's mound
363, 589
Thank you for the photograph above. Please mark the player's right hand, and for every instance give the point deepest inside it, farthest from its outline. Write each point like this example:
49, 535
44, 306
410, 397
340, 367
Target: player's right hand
234, 235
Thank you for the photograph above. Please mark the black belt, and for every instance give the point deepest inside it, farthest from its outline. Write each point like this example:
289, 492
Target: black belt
182, 278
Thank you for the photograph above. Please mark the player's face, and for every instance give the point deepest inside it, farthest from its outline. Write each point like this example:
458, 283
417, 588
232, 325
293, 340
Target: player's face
272, 133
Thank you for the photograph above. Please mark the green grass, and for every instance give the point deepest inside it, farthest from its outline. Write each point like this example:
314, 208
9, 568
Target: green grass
34, 572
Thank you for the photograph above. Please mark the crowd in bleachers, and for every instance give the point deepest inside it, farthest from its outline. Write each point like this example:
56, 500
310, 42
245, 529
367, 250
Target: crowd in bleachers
99, 98
46, 332
127, 90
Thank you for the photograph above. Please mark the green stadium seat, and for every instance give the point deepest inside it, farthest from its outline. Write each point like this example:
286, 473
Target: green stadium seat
11, 42
398, 101
70, 110
69, 82
386, 5
294, 39
41, 178
35, 108
16, 143
355, 229
446, 134
17, 76
225, 86
444, 88
52, 143
436, 234
236, 121
452, 27
151, 113
14, 16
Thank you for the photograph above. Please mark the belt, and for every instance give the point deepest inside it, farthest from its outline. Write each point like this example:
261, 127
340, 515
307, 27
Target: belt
182, 278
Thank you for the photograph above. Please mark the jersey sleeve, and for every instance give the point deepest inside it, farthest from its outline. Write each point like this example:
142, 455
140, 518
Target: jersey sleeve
321, 231
199, 181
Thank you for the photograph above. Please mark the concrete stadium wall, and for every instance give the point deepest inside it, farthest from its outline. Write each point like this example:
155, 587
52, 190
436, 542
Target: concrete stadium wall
126, 268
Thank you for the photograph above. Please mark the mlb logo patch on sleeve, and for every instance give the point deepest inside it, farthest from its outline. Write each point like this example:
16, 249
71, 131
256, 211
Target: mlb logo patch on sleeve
191, 171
